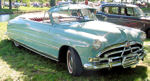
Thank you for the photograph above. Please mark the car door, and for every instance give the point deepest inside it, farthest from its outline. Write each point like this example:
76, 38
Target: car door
129, 18
40, 37
46, 38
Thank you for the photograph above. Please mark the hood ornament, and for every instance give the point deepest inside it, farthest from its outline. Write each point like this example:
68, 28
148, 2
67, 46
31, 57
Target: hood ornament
127, 44
121, 29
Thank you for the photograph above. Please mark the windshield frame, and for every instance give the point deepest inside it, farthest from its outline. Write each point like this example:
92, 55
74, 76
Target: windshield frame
69, 14
90, 13
139, 11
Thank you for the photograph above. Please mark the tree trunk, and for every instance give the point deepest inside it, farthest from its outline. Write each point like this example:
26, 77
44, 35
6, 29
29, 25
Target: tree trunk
52, 3
74, 1
10, 5
0, 4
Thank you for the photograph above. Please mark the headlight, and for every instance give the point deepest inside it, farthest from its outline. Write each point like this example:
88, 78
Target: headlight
143, 36
96, 44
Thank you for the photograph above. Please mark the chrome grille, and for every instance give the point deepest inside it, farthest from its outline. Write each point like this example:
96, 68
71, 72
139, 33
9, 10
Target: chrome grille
122, 50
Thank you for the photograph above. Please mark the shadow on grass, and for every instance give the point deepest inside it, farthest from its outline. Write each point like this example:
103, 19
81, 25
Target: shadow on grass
147, 40
8, 11
38, 68
147, 46
119, 74
147, 49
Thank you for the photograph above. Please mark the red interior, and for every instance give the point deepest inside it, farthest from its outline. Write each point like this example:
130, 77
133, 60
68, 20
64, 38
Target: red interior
38, 19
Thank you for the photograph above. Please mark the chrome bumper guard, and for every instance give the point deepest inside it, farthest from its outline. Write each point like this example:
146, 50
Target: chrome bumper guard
126, 61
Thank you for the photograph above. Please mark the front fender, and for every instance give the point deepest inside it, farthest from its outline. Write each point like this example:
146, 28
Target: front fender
81, 44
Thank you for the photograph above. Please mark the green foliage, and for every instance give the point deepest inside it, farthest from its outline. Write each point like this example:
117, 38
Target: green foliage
42, 1
21, 10
17, 0
28, 3
74, 1
92, 0
52, 3
24, 1
110, 0
0, 4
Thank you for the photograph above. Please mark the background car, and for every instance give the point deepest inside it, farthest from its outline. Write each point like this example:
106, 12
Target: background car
125, 14
36, 4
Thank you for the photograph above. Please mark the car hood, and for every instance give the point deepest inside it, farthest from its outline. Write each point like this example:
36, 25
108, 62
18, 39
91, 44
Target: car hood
108, 33
146, 18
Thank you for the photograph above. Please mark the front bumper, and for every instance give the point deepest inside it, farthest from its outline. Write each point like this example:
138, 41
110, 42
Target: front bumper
126, 61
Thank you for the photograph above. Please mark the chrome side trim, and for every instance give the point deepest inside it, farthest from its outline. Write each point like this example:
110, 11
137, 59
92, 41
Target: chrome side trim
39, 42
38, 52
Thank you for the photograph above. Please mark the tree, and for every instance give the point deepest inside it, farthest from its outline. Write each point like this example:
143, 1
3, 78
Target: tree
74, 1
10, 4
0, 4
28, 3
52, 3
110, 0
134, 1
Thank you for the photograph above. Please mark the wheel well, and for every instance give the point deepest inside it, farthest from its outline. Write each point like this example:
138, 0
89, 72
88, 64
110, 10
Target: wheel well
147, 32
63, 53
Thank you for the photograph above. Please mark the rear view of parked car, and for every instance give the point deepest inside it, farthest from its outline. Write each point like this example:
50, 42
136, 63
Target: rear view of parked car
125, 14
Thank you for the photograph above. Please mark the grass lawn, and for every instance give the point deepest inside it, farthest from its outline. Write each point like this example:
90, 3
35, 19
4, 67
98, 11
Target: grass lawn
24, 65
22, 10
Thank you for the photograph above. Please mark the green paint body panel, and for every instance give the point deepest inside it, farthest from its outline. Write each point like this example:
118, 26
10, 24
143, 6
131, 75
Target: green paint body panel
49, 38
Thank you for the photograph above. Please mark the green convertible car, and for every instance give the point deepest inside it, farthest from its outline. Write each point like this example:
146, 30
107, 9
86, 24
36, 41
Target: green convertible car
72, 34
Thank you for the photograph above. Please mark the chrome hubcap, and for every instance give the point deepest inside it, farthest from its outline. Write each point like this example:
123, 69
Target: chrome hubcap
69, 61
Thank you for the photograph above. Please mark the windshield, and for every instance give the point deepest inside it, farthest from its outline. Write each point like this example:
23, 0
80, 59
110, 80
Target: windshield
76, 15
138, 12
88, 14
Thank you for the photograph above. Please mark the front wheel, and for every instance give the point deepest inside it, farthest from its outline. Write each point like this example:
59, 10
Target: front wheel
74, 64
